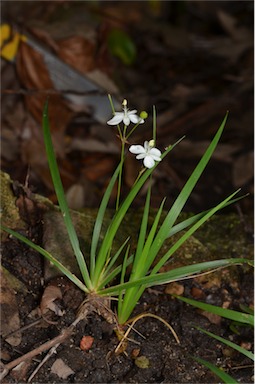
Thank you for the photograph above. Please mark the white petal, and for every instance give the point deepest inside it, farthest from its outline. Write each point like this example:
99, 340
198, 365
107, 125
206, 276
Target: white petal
148, 162
136, 149
133, 118
132, 112
155, 152
156, 158
141, 156
116, 119
136, 119
146, 146
126, 120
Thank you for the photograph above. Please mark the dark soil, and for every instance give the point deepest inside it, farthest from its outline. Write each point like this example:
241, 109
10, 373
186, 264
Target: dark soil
168, 361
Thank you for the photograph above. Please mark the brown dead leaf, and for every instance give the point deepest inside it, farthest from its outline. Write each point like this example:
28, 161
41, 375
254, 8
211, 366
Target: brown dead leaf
61, 369
51, 293
34, 75
97, 166
10, 322
19, 373
78, 52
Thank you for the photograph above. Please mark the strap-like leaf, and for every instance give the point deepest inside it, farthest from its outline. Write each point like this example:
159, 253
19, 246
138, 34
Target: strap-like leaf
61, 198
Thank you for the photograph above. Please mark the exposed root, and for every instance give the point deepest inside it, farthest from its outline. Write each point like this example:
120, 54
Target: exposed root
98, 304
123, 342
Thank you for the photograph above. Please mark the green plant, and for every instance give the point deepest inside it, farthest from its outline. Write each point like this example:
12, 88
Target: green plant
99, 277
246, 319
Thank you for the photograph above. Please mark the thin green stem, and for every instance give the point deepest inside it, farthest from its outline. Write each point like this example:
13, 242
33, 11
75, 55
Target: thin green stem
122, 156
132, 130
154, 124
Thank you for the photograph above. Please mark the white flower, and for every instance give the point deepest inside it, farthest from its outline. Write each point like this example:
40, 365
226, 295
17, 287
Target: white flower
148, 153
126, 116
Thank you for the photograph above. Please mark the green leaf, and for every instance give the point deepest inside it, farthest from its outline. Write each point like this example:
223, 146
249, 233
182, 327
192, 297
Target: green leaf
61, 198
190, 232
141, 265
226, 378
48, 256
173, 275
223, 312
122, 277
115, 272
114, 258
143, 227
192, 220
122, 46
99, 220
249, 354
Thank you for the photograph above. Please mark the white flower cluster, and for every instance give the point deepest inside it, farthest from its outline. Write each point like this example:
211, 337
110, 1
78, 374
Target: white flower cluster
147, 152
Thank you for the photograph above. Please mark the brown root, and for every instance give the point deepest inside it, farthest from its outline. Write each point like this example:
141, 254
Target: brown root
123, 341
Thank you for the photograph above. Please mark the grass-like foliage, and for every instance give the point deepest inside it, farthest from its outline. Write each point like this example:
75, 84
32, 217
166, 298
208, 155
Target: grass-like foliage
107, 273
245, 319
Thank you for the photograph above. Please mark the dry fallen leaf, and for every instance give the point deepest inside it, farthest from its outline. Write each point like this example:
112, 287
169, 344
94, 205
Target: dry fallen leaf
61, 369
78, 52
19, 373
51, 293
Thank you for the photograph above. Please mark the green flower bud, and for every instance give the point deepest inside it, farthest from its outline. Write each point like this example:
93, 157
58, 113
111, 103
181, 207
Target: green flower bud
143, 115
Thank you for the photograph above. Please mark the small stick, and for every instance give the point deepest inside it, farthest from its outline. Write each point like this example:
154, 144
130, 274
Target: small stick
49, 344
49, 354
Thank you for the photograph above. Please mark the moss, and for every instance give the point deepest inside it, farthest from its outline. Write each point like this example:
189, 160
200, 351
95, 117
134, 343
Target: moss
9, 211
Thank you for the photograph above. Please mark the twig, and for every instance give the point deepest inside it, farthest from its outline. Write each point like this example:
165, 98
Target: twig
49, 344
49, 354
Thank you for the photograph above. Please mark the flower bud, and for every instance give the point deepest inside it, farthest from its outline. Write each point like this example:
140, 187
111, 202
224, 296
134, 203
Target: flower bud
143, 115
